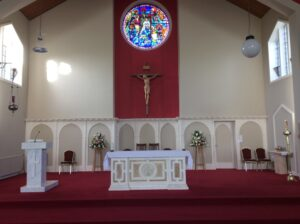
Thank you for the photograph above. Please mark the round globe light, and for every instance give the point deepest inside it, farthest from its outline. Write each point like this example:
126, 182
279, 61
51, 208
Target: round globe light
251, 47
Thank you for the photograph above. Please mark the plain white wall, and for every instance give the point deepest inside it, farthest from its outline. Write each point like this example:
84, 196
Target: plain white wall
215, 78
12, 126
279, 92
80, 35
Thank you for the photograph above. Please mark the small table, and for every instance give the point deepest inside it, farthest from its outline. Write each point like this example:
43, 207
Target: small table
141, 170
280, 164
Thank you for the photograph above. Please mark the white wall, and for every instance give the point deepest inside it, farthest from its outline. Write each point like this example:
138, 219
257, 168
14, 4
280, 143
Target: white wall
81, 35
12, 126
279, 92
215, 78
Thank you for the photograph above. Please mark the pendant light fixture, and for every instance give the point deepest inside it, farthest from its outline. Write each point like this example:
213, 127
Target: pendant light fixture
39, 45
12, 104
251, 47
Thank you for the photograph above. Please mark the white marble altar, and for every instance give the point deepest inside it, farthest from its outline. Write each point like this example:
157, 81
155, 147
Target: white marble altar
36, 167
147, 170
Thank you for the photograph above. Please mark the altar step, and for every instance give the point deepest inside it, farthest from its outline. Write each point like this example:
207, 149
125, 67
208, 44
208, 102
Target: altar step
220, 196
205, 210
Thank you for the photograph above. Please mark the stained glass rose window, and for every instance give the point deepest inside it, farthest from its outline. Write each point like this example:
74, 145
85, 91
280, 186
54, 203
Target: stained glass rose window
146, 26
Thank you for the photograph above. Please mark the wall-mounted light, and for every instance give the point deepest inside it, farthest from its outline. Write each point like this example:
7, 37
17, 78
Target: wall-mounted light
39, 45
251, 47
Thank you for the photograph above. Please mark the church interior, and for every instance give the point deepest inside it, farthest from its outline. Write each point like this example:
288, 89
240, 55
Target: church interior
78, 71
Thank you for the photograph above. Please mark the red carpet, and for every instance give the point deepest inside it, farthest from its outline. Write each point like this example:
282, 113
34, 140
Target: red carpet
221, 196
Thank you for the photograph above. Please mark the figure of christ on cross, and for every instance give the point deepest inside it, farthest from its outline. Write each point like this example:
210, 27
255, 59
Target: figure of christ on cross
146, 78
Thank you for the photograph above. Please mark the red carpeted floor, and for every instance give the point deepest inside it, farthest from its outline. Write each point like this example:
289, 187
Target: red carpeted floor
214, 196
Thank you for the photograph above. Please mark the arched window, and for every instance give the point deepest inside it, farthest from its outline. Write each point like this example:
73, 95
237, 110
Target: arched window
11, 53
279, 51
146, 26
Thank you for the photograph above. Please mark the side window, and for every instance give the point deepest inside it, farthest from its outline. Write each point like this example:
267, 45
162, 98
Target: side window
11, 53
279, 51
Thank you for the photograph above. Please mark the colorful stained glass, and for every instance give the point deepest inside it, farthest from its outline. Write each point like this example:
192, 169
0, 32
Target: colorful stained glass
146, 26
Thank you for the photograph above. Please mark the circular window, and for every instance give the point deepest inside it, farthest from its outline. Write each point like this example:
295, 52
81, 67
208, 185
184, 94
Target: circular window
146, 26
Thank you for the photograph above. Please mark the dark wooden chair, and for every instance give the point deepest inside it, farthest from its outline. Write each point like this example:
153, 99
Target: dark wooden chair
153, 146
247, 158
69, 160
261, 157
141, 146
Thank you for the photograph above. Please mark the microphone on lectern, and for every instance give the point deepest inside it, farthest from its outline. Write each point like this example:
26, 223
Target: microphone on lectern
36, 136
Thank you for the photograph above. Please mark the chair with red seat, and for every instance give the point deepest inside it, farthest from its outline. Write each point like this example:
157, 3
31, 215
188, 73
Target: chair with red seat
247, 158
69, 160
261, 157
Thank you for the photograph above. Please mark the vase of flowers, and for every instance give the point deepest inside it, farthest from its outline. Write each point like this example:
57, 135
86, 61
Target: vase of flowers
98, 141
198, 142
198, 139
98, 144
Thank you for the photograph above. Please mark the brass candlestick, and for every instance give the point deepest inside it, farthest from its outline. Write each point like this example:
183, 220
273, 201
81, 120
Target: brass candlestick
287, 133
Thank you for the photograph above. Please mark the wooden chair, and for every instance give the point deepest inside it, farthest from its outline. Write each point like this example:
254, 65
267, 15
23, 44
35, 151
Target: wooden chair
69, 160
141, 146
153, 146
247, 158
261, 157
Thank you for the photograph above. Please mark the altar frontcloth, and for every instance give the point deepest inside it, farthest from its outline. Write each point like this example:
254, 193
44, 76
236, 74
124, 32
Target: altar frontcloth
146, 170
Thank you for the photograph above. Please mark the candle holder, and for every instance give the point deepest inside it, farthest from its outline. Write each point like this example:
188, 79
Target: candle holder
287, 133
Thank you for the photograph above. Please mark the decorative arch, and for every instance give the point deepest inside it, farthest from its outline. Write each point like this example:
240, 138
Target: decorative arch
43, 131
147, 134
168, 137
188, 131
103, 129
126, 137
282, 113
70, 138
252, 135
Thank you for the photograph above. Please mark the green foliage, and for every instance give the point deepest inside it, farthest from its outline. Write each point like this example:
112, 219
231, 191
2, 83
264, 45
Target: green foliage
198, 139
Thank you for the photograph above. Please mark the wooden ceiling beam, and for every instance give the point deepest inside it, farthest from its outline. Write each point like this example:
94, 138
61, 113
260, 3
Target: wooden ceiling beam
253, 6
39, 7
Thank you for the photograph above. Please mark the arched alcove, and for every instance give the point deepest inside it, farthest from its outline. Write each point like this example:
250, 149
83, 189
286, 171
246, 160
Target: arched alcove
188, 136
104, 130
147, 134
225, 153
70, 138
280, 116
42, 131
126, 137
168, 137
251, 136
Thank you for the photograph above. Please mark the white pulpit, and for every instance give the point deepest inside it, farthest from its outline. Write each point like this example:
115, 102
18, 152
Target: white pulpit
36, 167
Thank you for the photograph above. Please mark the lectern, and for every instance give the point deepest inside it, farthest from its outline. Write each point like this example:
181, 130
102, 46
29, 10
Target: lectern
36, 169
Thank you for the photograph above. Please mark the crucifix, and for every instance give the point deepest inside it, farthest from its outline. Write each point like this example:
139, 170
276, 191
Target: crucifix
146, 77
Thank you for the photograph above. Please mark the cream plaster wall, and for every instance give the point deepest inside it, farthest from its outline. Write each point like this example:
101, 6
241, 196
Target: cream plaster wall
12, 126
279, 92
215, 78
80, 35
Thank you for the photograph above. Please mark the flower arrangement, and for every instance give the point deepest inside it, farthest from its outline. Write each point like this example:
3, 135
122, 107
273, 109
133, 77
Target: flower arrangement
98, 141
198, 139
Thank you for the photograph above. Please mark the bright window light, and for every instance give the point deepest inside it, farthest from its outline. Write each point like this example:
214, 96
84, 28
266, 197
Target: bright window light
64, 69
279, 50
11, 53
52, 71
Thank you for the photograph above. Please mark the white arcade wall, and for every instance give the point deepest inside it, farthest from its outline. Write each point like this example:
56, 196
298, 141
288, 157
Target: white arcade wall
76, 134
